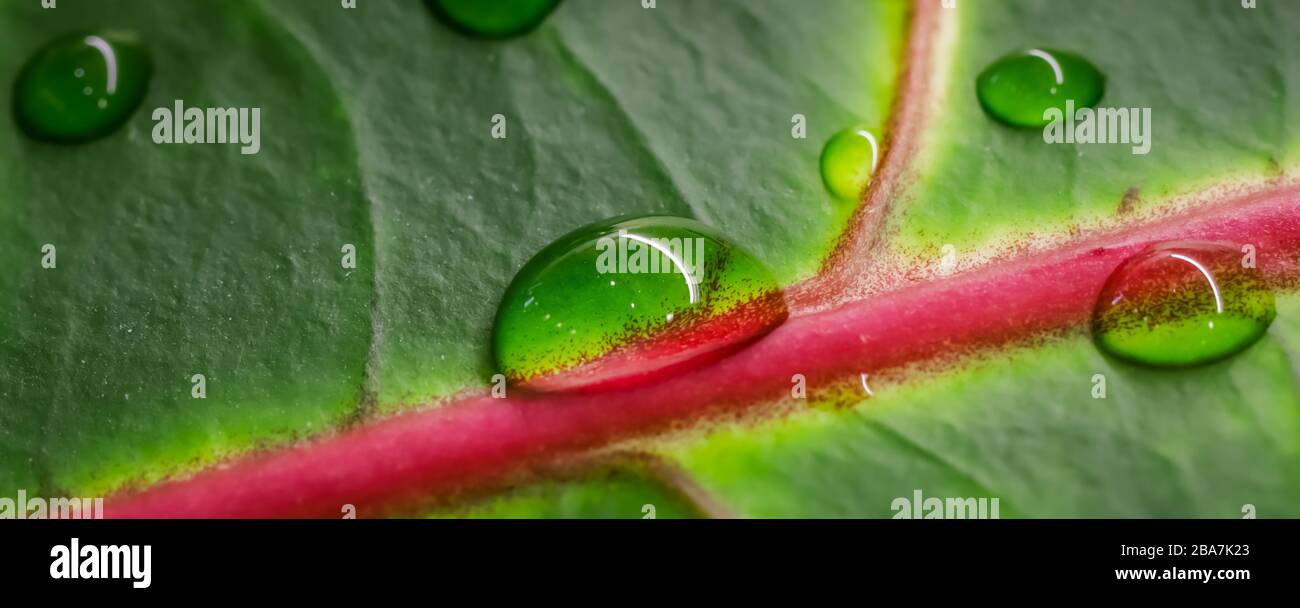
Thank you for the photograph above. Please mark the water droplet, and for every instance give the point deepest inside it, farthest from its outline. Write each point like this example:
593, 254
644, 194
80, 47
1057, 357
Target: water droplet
493, 18
1180, 304
82, 86
696, 297
1018, 88
848, 160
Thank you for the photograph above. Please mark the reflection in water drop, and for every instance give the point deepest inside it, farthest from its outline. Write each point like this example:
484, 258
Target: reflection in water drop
82, 86
1019, 88
629, 299
1180, 304
848, 161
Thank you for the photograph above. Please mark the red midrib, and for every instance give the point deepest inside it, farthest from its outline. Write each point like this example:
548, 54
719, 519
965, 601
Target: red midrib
478, 442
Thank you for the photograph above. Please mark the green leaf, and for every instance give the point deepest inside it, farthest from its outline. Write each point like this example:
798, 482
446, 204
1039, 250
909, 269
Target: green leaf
1021, 424
176, 260
1024, 427
611, 109
181, 260
1218, 80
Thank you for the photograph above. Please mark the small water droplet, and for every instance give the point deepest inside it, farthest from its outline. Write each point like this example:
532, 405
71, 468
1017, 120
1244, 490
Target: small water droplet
52, 100
693, 297
1181, 304
1018, 88
493, 18
848, 161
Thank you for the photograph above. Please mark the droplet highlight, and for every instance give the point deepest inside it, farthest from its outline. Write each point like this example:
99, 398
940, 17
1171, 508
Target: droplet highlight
493, 18
82, 86
848, 161
1182, 304
628, 300
1019, 88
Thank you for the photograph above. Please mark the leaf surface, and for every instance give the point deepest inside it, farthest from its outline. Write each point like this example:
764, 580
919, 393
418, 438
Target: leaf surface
176, 260
181, 260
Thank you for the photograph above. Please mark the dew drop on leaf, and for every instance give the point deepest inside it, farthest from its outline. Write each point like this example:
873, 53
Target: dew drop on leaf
1182, 303
493, 18
1019, 88
82, 86
848, 161
628, 300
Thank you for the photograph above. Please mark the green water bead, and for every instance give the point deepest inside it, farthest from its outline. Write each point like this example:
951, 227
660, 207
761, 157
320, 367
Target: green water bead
1019, 88
668, 288
493, 18
848, 161
82, 86
1182, 304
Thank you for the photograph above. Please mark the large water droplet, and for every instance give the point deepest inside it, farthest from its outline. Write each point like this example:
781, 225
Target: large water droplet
628, 300
848, 161
82, 86
1182, 303
1018, 88
493, 18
